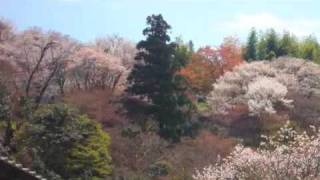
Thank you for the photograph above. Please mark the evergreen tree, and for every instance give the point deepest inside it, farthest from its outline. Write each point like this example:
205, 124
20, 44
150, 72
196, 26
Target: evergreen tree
155, 77
310, 49
262, 48
288, 46
251, 48
271, 44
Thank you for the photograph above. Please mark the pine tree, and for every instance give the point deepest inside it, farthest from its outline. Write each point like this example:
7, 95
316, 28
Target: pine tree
155, 77
271, 44
261, 47
251, 48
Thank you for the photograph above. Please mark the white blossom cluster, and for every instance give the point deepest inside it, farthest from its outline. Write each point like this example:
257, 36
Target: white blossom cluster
264, 85
286, 156
263, 92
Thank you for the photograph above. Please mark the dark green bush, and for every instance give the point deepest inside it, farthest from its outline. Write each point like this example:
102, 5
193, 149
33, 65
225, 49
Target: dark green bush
68, 144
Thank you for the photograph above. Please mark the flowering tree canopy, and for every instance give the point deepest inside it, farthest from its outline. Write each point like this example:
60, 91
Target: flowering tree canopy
265, 86
263, 93
91, 67
286, 155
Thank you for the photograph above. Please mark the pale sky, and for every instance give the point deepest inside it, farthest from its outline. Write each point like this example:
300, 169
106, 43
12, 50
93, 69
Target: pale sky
206, 22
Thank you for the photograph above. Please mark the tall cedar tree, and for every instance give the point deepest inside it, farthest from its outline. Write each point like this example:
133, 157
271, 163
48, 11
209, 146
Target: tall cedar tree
156, 77
272, 43
251, 49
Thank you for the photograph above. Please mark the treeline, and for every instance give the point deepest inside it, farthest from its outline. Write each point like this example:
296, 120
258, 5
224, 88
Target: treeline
270, 44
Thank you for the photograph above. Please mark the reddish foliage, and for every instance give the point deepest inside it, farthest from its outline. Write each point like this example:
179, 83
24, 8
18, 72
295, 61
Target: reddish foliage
208, 64
230, 52
201, 73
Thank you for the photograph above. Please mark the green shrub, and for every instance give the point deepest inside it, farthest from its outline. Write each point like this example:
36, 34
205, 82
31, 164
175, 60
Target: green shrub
69, 144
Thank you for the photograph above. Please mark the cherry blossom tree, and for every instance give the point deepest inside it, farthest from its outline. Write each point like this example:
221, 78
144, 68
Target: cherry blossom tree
263, 93
38, 57
267, 90
91, 67
118, 47
285, 155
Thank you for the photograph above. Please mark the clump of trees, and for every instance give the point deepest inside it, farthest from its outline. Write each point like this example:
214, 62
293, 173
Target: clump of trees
265, 87
243, 86
208, 64
270, 44
39, 58
48, 64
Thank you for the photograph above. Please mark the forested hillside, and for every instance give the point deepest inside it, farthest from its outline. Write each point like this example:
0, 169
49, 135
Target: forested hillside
160, 108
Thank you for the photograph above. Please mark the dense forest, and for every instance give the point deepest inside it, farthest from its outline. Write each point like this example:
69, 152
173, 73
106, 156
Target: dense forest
160, 108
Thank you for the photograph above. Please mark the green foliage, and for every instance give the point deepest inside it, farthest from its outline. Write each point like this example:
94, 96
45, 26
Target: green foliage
288, 45
69, 144
5, 115
152, 74
5, 109
27, 108
182, 56
272, 42
262, 48
271, 55
251, 47
90, 158
310, 49
270, 45
155, 77
39, 166
202, 107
